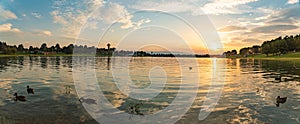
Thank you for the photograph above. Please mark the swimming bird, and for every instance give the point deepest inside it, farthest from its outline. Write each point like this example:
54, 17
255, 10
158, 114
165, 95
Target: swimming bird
278, 78
87, 101
190, 68
280, 100
135, 109
20, 98
29, 90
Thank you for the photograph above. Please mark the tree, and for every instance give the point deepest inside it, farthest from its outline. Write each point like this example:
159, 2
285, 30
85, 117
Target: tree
3, 47
57, 48
11, 50
256, 49
68, 49
233, 52
20, 48
43, 47
52, 49
245, 51
31, 48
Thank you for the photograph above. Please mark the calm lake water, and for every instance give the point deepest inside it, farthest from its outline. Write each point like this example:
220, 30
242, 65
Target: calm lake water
248, 96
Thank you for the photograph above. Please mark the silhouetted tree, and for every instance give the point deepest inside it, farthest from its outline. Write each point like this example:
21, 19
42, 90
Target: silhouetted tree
233, 52
43, 47
68, 49
57, 48
20, 48
276, 46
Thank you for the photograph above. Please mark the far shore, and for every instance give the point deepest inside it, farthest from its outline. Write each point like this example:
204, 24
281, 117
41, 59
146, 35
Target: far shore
259, 56
295, 55
42, 55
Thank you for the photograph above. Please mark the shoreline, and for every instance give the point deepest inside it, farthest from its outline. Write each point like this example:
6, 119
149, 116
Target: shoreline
89, 55
263, 56
260, 56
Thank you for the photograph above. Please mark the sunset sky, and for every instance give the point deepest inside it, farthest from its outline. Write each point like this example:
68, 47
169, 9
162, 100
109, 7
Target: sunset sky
239, 23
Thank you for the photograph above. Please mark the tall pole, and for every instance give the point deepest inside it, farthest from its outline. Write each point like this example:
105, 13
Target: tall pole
108, 46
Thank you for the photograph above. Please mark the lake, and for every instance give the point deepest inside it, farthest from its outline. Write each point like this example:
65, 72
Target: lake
249, 88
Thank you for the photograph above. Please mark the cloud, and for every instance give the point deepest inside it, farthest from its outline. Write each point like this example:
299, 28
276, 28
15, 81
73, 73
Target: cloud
286, 16
278, 21
244, 39
227, 6
166, 6
6, 14
171, 6
72, 15
231, 28
114, 12
292, 1
36, 15
57, 18
72, 19
44, 33
251, 40
212, 7
282, 21
135, 25
236, 39
273, 28
8, 28
141, 22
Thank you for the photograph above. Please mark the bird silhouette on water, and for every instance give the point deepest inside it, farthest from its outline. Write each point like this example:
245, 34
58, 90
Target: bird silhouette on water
135, 109
278, 78
30, 90
280, 100
87, 101
20, 98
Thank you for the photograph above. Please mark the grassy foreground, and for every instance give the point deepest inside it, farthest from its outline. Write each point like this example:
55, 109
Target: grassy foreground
264, 56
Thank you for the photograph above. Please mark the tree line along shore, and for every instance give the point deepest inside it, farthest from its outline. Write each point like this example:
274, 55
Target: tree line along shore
56, 50
75, 50
281, 47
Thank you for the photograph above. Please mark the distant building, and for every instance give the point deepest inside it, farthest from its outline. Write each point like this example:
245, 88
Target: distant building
106, 52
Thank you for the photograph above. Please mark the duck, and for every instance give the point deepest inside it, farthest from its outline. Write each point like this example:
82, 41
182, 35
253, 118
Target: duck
135, 109
87, 101
20, 98
278, 78
29, 90
280, 100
